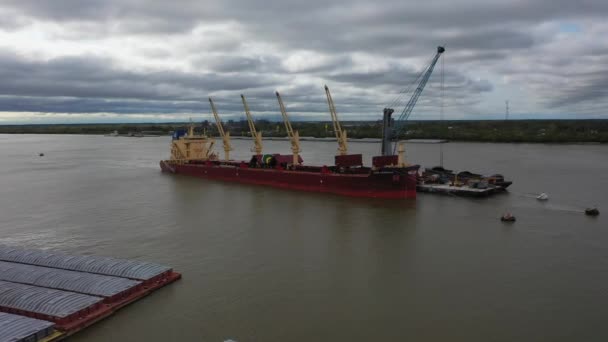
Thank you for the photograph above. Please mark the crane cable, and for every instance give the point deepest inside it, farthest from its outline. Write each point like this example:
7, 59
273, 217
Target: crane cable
397, 101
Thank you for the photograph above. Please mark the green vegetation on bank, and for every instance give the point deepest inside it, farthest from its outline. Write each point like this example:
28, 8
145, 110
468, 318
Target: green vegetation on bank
485, 131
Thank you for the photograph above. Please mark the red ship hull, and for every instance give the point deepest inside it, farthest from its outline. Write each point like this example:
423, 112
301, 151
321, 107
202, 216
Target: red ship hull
385, 183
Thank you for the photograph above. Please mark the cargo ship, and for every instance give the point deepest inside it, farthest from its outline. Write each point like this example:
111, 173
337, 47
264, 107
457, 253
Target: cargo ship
191, 155
389, 176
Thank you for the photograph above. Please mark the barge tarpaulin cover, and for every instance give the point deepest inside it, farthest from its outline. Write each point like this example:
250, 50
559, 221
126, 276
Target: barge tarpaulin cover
47, 303
84, 263
87, 283
16, 328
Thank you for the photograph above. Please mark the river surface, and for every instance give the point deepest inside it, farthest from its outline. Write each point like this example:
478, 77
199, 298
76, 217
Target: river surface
262, 264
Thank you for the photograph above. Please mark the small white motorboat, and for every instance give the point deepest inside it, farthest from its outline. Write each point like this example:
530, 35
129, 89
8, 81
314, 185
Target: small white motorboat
542, 197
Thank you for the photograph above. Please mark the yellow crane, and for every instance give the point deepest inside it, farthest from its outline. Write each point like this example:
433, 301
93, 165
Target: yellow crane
257, 136
294, 137
340, 133
225, 135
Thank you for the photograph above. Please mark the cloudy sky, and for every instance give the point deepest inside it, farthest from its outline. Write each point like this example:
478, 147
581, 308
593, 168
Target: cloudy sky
146, 60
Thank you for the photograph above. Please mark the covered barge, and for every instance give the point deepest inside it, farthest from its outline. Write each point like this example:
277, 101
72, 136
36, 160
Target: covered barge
70, 292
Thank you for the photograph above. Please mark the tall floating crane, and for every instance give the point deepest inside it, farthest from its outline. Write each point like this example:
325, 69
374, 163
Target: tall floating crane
294, 137
388, 132
340, 134
257, 136
225, 135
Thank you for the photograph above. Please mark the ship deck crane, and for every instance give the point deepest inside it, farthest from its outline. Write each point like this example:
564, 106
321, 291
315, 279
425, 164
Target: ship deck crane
340, 133
257, 136
225, 135
294, 137
389, 132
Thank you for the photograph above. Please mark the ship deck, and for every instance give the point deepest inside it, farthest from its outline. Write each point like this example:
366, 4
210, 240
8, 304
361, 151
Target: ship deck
457, 190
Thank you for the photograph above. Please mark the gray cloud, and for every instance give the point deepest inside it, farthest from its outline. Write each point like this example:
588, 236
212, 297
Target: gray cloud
228, 63
366, 51
92, 84
594, 89
87, 76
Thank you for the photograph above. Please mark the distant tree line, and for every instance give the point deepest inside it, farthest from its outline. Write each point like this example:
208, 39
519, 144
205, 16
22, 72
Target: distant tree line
486, 131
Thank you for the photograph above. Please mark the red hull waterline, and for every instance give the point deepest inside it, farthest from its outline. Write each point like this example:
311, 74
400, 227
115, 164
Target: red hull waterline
388, 183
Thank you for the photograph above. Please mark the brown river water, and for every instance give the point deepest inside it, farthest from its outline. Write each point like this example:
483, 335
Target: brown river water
262, 264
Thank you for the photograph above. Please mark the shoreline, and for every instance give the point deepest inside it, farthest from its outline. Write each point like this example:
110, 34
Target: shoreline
512, 131
430, 141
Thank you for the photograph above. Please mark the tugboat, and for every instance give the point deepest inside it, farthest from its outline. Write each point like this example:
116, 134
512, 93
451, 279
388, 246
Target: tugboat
507, 217
499, 180
592, 212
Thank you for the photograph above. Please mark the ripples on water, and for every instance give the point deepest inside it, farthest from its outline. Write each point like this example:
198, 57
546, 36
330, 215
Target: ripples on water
262, 264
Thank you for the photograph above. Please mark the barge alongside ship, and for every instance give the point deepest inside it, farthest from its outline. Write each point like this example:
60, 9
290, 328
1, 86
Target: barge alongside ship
442, 181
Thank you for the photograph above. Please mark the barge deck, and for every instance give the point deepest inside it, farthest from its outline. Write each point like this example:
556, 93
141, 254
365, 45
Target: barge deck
457, 190
70, 292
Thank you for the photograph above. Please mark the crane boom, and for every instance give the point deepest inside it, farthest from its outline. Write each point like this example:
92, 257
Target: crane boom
294, 137
225, 135
409, 107
340, 134
257, 137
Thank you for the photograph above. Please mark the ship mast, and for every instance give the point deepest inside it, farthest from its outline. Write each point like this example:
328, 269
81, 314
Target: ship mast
340, 134
225, 135
191, 129
294, 137
257, 136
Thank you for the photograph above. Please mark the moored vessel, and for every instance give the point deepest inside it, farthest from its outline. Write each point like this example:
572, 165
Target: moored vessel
192, 155
439, 179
